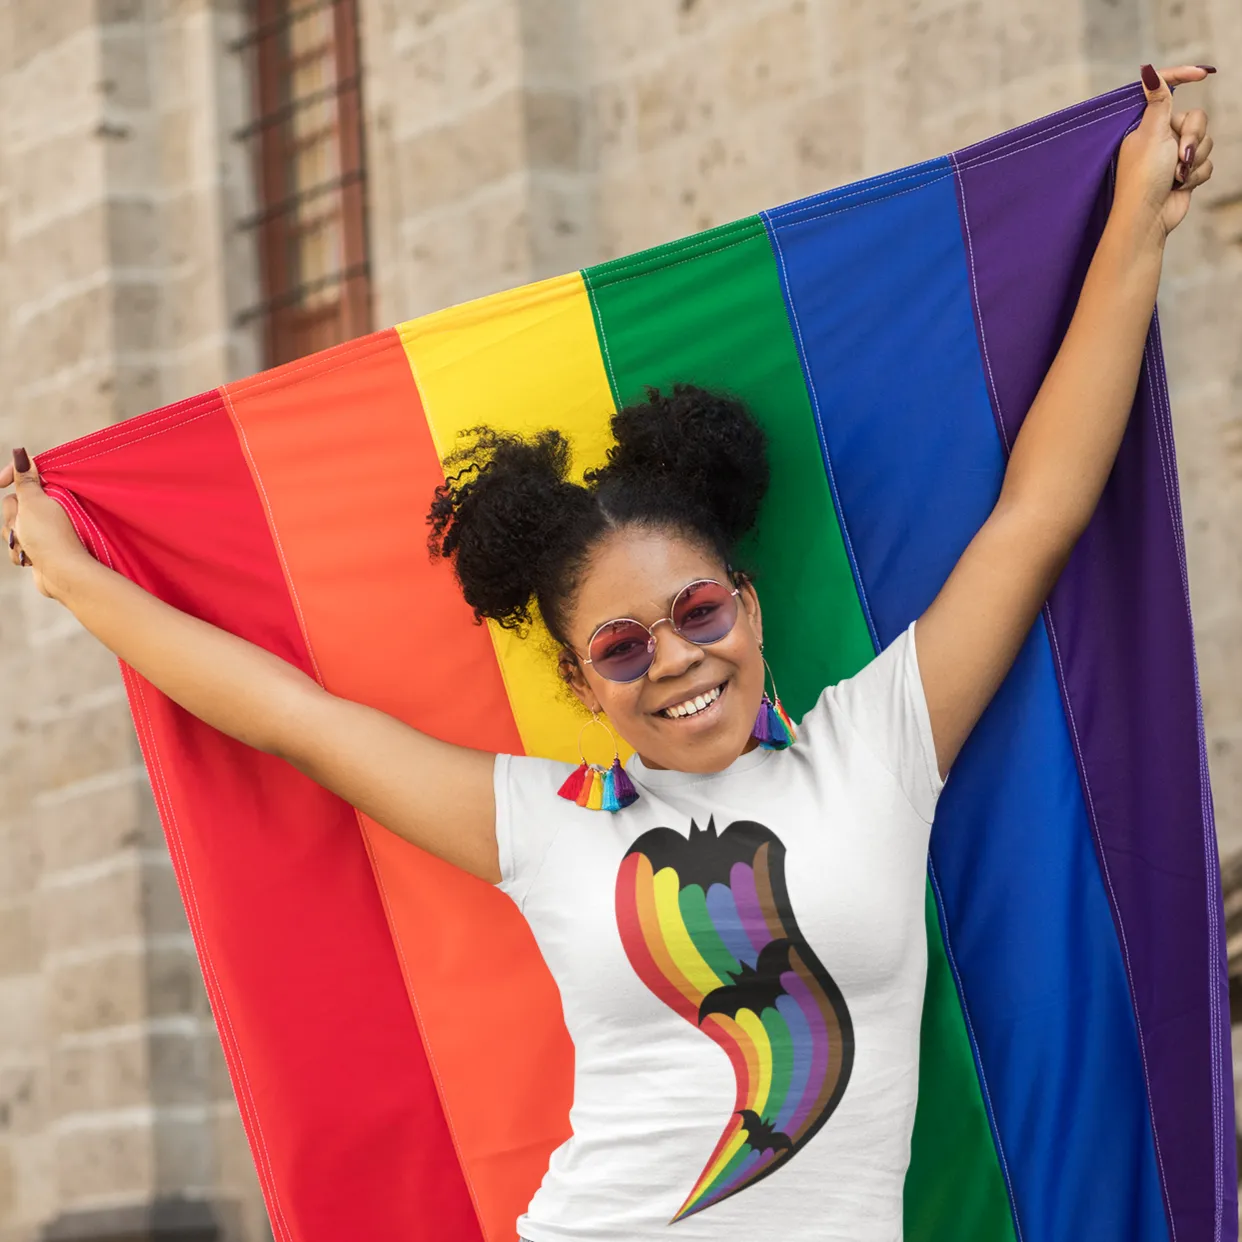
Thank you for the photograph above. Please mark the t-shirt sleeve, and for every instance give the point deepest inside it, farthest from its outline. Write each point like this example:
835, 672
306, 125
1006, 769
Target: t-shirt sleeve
528, 817
885, 707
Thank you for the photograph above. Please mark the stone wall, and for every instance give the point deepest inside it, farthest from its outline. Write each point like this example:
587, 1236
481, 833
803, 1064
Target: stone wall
118, 268
508, 140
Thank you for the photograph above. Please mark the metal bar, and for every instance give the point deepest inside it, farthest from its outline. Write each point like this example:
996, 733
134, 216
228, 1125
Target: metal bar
283, 22
285, 206
293, 296
296, 105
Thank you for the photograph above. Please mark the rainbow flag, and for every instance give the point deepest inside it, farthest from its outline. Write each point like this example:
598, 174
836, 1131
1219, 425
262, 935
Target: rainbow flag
393, 1036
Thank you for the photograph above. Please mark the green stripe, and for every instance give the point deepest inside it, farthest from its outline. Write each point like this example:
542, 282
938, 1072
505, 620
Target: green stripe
781, 1043
710, 310
703, 934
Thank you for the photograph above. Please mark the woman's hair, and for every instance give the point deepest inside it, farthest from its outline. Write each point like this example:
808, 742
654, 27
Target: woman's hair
518, 530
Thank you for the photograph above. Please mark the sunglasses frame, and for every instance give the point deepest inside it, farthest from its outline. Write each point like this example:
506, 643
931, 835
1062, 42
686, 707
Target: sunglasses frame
650, 629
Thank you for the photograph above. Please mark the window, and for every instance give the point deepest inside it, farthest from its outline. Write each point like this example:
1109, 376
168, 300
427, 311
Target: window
311, 175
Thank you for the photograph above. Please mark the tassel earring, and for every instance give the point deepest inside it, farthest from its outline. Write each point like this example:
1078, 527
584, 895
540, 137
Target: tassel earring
773, 728
597, 788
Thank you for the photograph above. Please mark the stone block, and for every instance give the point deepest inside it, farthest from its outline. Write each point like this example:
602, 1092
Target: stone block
468, 252
553, 130
91, 905
1218, 640
180, 1064
22, 999
96, 820
174, 984
562, 233
64, 253
1181, 27
947, 48
71, 331
22, 1107
620, 35
124, 77
19, 852
768, 58
673, 100
484, 54
19, 944
183, 1150
447, 164
99, 1161
99, 1075
54, 92
104, 990
36, 28
1225, 766
86, 744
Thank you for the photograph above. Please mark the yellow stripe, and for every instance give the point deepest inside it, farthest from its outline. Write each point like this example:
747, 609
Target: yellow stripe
749, 1022
710, 1175
521, 361
680, 946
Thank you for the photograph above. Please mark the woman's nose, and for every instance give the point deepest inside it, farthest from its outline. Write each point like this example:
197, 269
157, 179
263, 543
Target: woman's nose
674, 655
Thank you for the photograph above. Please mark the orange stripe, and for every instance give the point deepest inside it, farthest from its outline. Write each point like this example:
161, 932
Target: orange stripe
345, 465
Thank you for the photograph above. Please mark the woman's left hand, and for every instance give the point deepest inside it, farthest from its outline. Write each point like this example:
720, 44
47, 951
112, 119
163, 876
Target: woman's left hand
1167, 156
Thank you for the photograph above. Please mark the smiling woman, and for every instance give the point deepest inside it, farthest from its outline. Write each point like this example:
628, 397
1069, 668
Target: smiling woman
740, 949
627, 568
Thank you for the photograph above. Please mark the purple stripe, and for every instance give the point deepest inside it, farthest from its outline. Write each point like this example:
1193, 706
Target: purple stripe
742, 882
1119, 625
819, 1051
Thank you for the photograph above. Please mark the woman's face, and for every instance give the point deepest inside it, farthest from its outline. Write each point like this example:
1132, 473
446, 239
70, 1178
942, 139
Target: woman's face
637, 573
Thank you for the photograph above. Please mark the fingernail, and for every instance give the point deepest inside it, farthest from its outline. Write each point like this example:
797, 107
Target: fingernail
1207, 68
1151, 79
12, 540
1189, 158
1180, 175
21, 460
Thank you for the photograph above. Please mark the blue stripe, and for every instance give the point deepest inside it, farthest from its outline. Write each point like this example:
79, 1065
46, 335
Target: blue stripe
880, 305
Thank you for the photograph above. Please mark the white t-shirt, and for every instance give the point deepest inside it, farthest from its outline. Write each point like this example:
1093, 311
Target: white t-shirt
741, 959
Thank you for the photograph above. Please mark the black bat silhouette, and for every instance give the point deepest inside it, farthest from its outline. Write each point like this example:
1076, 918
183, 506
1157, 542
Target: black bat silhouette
756, 988
705, 857
761, 1136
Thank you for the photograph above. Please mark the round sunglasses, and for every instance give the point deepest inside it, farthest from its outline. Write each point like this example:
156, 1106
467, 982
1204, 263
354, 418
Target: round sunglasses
702, 612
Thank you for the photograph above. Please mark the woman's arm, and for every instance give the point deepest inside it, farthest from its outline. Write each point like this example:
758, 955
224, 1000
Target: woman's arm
971, 633
437, 795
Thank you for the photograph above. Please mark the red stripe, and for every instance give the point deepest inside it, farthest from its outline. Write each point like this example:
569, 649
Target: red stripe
273, 871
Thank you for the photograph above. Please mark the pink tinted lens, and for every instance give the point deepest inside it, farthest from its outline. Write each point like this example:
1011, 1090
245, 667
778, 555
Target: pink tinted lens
621, 650
704, 612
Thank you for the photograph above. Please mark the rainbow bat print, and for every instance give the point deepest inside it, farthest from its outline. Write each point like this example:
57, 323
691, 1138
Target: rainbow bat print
707, 925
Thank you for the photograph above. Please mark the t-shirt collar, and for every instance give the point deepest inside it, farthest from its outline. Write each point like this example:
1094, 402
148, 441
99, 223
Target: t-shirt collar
667, 778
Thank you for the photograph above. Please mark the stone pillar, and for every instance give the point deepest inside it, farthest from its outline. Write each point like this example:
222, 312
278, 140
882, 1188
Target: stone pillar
119, 277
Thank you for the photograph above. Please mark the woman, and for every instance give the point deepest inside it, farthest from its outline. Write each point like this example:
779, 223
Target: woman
795, 872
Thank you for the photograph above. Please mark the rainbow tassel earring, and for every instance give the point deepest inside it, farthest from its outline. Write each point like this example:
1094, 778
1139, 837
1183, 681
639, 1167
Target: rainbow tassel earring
597, 788
773, 727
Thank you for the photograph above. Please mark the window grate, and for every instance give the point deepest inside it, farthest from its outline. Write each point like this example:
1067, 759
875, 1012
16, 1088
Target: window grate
307, 144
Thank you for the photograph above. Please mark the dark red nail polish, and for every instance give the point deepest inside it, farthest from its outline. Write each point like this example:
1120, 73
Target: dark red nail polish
1207, 68
1189, 161
1151, 79
21, 460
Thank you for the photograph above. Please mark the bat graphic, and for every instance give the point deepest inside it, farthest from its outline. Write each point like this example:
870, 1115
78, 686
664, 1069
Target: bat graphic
707, 925
755, 989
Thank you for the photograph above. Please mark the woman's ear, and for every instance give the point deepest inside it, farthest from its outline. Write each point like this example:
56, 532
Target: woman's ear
570, 669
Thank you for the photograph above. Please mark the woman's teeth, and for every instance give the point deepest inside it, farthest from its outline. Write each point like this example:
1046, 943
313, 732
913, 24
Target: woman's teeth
692, 706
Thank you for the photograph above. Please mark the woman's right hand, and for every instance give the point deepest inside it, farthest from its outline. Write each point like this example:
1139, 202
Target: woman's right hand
36, 530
